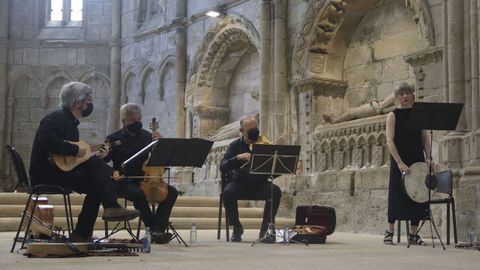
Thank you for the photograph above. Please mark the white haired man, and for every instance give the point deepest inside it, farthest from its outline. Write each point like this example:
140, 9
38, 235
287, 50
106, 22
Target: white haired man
127, 141
92, 177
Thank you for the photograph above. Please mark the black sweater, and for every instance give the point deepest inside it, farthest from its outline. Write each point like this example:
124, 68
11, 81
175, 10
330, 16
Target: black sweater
55, 129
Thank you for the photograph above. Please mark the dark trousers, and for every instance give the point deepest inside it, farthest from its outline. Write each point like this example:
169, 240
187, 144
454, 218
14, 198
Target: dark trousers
92, 178
157, 221
237, 190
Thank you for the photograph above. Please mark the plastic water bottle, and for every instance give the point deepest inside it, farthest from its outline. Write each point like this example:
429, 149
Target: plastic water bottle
147, 241
286, 235
193, 234
473, 237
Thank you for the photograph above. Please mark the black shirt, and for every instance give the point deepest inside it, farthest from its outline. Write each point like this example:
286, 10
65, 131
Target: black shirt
230, 163
124, 146
54, 130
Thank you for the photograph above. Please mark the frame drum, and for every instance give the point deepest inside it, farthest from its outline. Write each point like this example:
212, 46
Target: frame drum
414, 183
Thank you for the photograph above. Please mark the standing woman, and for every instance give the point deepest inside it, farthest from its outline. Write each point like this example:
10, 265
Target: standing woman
406, 147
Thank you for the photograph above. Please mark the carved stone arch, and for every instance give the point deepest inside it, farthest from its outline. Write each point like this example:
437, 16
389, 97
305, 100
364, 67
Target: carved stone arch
229, 36
167, 63
381, 139
324, 19
56, 76
371, 140
15, 76
220, 37
128, 74
361, 141
146, 69
351, 142
86, 76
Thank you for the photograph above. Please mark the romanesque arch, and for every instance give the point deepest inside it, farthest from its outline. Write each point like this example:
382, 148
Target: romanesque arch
129, 81
148, 82
228, 40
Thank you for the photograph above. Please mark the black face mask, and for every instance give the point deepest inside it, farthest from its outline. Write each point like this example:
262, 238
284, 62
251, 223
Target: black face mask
88, 110
134, 128
253, 134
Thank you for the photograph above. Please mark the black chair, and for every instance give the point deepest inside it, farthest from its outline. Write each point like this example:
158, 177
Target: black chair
445, 186
225, 179
123, 225
36, 191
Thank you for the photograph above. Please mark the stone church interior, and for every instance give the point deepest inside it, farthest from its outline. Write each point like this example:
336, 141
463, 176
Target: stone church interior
324, 75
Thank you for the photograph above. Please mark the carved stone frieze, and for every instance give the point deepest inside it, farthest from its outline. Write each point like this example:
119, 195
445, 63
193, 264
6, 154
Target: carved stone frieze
355, 144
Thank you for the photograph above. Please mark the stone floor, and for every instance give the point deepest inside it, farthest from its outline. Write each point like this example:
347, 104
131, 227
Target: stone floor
342, 251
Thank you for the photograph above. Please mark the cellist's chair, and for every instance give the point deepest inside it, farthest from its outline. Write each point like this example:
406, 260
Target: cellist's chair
123, 225
445, 186
36, 191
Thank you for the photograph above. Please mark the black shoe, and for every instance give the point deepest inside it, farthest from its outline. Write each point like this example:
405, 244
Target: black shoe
75, 238
161, 237
237, 234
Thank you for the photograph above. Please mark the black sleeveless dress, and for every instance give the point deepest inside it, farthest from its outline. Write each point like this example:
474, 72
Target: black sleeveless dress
410, 148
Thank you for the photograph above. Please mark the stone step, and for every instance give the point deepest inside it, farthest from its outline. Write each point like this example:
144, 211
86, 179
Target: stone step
182, 223
203, 211
7, 211
77, 199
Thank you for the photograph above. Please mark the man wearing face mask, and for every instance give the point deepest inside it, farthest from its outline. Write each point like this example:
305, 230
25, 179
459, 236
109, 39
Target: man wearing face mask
125, 142
245, 185
91, 177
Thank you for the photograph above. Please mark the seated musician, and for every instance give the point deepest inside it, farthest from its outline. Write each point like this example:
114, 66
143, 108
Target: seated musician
92, 177
244, 185
127, 141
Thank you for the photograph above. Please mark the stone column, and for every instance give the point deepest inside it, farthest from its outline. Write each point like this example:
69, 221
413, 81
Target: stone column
180, 65
456, 68
265, 67
115, 66
445, 49
475, 65
280, 94
3, 79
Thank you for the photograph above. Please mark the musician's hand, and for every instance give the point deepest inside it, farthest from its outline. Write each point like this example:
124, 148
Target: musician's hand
156, 136
81, 152
103, 151
403, 168
244, 156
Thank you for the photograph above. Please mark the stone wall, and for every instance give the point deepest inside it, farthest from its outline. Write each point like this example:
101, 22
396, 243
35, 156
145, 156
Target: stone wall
42, 58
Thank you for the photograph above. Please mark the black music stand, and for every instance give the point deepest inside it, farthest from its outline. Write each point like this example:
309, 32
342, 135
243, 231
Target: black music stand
171, 152
433, 116
273, 160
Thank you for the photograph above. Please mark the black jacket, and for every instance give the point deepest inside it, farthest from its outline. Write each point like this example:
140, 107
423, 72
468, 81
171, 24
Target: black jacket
54, 130
230, 163
124, 146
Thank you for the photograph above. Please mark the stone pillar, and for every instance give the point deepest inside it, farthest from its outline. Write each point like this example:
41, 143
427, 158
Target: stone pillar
180, 65
475, 65
456, 68
445, 49
3, 79
115, 66
280, 94
265, 67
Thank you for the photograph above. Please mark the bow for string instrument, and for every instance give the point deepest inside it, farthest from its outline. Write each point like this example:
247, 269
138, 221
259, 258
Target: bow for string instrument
155, 189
